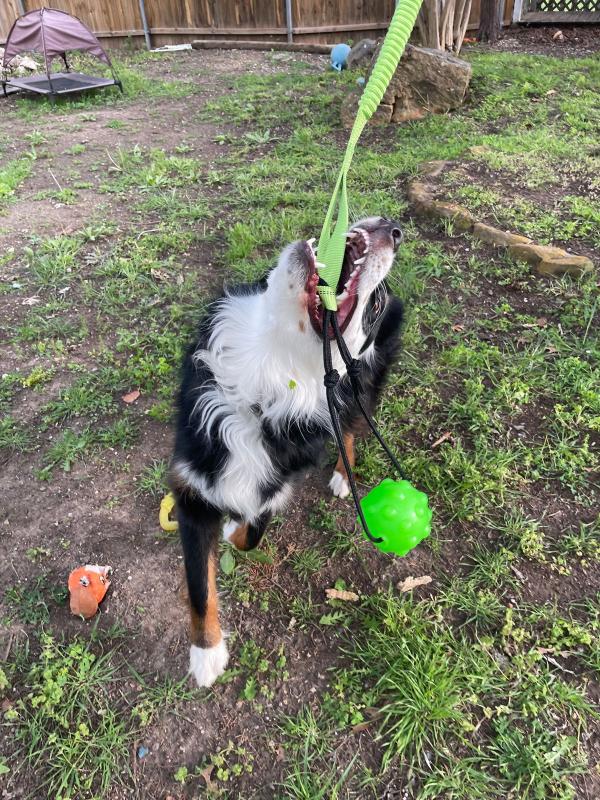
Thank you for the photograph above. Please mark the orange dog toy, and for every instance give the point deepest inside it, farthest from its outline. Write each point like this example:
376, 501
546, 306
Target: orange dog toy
87, 587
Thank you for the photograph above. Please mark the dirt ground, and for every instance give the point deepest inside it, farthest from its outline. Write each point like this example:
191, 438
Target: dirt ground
93, 511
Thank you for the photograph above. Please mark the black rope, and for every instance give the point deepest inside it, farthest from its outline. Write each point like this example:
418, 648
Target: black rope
331, 380
354, 370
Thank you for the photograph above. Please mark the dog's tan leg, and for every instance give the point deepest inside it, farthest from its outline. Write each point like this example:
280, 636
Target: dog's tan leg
339, 480
206, 630
208, 653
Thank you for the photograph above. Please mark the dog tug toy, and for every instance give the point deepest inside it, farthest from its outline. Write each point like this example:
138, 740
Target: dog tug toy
395, 510
87, 587
167, 504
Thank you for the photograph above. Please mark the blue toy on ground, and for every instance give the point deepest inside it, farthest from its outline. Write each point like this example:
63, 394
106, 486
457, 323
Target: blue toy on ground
339, 54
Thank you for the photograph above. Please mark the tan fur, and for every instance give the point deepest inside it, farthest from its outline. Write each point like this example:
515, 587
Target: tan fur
206, 632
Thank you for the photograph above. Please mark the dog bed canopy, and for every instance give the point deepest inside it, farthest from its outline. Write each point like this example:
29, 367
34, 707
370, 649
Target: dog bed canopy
54, 33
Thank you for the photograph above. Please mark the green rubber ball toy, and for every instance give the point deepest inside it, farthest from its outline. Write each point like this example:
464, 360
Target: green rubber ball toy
399, 514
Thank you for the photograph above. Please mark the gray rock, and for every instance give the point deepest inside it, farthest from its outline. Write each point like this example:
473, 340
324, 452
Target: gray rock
361, 53
425, 82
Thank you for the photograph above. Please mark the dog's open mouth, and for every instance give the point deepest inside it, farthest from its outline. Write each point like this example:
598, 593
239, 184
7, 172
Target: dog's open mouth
357, 247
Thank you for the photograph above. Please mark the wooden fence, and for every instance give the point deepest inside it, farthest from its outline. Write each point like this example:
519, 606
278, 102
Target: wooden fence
174, 21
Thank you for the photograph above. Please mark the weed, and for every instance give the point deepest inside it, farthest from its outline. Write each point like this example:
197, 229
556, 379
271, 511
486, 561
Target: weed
33, 600
307, 561
153, 480
68, 722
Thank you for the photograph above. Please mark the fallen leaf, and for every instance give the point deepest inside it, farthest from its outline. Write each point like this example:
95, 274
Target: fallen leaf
340, 594
361, 726
411, 583
442, 438
30, 301
458, 328
227, 562
130, 397
207, 775
541, 322
160, 275
558, 36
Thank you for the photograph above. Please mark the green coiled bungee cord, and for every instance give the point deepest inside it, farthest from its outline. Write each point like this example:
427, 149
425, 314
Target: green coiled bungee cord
396, 512
332, 244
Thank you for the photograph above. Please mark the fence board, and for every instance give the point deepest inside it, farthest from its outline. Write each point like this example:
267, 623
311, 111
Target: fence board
183, 20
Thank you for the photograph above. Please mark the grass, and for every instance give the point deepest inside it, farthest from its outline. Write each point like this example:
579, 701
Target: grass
483, 690
67, 725
11, 177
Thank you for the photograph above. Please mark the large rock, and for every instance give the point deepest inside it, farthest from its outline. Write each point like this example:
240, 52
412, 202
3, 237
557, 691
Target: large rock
361, 53
425, 82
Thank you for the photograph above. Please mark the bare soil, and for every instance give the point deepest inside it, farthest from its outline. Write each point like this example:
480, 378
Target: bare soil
94, 514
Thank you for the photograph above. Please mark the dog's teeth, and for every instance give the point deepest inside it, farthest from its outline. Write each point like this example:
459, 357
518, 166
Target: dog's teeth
311, 241
359, 261
351, 234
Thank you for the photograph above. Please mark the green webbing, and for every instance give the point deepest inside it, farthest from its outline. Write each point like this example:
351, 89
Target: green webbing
332, 244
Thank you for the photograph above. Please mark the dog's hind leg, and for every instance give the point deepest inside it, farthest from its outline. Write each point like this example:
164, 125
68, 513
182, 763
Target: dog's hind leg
246, 535
199, 529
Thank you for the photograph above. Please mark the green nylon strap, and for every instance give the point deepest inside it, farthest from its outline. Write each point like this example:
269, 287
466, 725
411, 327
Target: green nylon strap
332, 244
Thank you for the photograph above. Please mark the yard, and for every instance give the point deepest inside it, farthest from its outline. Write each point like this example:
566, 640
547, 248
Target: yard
120, 217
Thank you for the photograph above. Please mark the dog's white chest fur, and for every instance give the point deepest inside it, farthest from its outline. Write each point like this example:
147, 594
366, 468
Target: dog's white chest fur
267, 367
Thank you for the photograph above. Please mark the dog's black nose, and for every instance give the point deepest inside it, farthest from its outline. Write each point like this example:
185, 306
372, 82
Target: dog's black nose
396, 233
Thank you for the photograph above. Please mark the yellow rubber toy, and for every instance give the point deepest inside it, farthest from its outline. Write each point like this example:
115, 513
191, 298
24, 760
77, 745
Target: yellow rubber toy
167, 504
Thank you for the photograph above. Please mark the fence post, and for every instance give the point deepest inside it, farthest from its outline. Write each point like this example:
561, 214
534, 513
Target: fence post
145, 25
288, 20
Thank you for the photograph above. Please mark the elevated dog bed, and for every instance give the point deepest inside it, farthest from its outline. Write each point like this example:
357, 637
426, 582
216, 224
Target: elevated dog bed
53, 33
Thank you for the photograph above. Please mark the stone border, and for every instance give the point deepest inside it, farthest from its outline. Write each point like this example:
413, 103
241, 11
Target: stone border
547, 260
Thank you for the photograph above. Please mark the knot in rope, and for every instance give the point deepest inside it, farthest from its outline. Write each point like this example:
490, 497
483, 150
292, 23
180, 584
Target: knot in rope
331, 379
354, 369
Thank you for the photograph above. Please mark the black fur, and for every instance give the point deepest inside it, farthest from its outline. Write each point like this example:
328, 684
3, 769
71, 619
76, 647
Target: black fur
301, 447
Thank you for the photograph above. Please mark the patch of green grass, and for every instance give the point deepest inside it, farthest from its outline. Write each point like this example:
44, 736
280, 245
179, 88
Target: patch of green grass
67, 724
427, 692
151, 171
153, 479
53, 261
12, 176
307, 561
31, 601
73, 446
14, 435
52, 322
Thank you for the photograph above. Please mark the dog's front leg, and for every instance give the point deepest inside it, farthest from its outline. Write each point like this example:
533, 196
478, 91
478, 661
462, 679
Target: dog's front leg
246, 535
339, 480
199, 529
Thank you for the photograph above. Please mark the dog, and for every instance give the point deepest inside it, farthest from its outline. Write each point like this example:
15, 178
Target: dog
252, 410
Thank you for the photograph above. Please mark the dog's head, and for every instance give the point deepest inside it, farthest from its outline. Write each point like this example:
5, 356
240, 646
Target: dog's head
370, 247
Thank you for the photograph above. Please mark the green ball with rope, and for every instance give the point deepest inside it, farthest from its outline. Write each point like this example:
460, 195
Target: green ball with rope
395, 516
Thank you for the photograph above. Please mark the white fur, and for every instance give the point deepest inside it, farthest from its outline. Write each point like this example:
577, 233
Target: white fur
339, 485
264, 354
229, 528
207, 663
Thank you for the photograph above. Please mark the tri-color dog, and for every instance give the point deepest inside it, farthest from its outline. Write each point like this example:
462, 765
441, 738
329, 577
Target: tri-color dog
253, 414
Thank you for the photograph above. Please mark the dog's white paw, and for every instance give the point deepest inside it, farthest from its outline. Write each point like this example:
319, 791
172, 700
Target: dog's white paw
229, 528
207, 663
339, 485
